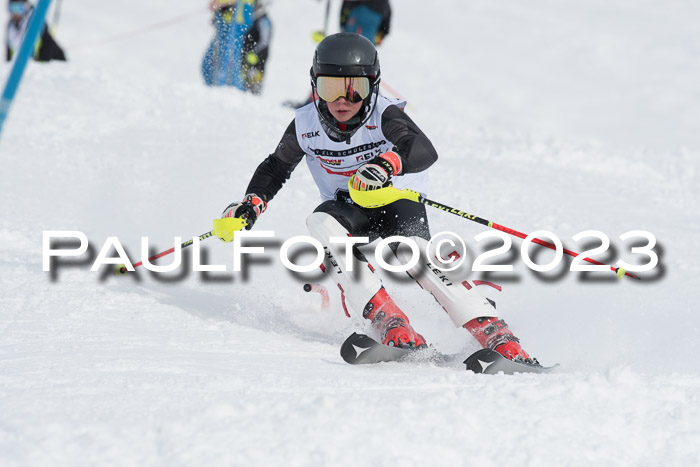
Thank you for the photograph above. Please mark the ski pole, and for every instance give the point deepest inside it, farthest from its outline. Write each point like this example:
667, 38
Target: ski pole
318, 36
325, 21
121, 268
56, 13
387, 195
321, 290
223, 229
508, 230
391, 90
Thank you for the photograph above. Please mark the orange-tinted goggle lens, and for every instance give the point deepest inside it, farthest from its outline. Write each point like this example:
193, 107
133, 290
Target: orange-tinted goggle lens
354, 89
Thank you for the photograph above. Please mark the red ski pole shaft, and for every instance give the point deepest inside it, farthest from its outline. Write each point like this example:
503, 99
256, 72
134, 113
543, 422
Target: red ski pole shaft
122, 268
510, 231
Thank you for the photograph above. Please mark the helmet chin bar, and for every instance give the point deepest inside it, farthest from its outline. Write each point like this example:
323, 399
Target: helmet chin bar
355, 122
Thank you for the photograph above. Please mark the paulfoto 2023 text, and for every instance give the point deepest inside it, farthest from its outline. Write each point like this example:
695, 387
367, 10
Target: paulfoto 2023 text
441, 248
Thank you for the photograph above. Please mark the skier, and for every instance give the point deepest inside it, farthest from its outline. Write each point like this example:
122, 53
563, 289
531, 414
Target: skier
370, 18
353, 134
46, 47
223, 63
255, 49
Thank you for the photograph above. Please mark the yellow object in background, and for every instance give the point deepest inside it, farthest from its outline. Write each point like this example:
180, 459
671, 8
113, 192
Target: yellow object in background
317, 36
252, 58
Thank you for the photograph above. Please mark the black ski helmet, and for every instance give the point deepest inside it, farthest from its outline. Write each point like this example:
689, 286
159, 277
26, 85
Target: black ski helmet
346, 54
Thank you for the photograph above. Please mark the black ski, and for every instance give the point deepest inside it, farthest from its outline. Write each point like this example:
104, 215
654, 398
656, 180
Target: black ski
490, 362
360, 348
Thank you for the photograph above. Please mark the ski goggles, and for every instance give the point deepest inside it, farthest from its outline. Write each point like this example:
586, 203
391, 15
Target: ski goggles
18, 8
331, 88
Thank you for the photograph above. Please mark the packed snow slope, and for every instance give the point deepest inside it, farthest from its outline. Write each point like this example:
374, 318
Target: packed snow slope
563, 116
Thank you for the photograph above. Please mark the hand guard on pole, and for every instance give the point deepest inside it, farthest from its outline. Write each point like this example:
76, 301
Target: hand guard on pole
377, 172
249, 209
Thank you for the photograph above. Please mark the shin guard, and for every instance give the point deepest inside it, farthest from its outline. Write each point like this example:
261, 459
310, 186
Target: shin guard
458, 298
358, 286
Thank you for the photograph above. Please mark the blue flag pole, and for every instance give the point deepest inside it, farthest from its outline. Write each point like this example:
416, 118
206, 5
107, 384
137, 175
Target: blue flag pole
36, 22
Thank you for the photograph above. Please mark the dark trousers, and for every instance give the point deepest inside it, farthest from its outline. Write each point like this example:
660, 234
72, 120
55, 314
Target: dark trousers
404, 218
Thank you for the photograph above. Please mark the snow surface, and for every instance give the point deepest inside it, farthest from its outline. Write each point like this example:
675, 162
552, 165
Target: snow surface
564, 116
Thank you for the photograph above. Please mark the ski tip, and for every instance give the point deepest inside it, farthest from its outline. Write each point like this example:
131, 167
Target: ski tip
481, 360
362, 349
349, 350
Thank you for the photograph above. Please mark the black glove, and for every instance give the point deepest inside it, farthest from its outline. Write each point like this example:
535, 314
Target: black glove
249, 209
377, 172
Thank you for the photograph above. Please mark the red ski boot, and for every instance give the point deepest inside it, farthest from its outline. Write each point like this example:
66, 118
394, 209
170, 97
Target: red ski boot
391, 322
493, 333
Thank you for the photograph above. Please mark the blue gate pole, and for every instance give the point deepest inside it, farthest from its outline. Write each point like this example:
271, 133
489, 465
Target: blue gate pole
25, 51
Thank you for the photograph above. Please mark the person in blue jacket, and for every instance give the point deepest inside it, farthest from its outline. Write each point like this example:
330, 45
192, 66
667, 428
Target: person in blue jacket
237, 54
369, 18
